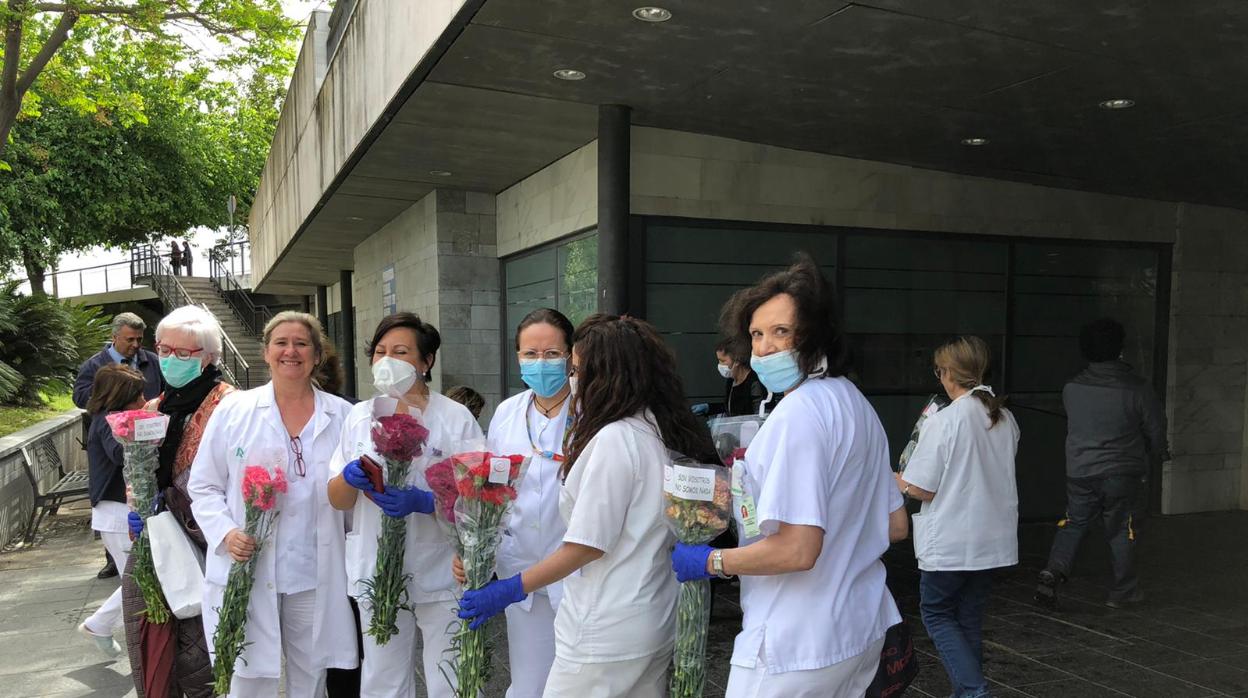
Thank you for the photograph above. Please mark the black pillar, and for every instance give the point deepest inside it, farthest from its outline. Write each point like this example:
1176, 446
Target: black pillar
347, 306
322, 306
613, 208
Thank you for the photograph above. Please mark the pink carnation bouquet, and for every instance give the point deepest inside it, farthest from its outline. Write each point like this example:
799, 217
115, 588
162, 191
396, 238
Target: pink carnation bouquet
140, 432
260, 490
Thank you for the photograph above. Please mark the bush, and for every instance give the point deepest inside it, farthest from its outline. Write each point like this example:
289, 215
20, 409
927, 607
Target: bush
42, 343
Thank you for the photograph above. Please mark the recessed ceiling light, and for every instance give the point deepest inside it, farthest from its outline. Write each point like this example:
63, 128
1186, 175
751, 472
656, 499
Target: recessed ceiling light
569, 74
354, 218
1117, 103
440, 173
652, 14
975, 141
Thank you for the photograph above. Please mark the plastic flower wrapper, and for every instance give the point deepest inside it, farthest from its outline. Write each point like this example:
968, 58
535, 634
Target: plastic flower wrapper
698, 507
733, 434
140, 432
473, 513
260, 491
399, 439
934, 404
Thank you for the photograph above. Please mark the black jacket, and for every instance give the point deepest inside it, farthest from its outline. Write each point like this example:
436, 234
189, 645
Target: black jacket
104, 462
149, 365
1115, 423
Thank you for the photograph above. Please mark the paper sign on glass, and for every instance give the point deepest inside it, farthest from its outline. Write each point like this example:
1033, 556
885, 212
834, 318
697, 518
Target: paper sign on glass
151, 428
695, 484
500, 469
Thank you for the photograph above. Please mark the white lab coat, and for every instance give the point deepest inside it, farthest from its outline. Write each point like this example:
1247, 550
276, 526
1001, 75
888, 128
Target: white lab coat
245, 427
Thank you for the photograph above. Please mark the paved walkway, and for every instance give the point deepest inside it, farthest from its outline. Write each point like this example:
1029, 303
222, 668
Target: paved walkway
1189, 640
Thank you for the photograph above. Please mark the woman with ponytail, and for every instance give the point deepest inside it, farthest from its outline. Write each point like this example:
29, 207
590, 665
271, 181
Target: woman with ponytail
963, 471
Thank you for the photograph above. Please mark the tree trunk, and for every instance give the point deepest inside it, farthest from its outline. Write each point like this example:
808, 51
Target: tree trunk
36, 272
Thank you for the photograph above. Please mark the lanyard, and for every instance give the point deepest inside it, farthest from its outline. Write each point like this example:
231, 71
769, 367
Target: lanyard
528, 430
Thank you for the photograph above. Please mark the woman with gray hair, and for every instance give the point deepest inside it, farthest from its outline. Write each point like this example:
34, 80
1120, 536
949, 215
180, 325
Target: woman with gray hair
172, 658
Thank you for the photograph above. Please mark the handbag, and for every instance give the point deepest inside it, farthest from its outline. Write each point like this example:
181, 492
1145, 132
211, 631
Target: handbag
179, 565
898, 664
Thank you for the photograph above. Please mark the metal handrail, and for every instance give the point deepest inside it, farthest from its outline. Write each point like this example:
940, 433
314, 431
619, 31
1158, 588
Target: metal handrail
254, 317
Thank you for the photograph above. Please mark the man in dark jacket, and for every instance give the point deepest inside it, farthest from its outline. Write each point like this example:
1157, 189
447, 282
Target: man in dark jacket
1116, 430
126, 348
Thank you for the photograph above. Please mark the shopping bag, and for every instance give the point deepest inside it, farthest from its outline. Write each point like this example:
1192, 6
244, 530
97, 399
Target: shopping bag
898, 664
179, 565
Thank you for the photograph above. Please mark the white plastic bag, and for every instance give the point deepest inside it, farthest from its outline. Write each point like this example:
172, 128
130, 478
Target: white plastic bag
179, 565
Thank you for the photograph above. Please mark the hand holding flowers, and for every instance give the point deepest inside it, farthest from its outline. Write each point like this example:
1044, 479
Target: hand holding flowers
140, 432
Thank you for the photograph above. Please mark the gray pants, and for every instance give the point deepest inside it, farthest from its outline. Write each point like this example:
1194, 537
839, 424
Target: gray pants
1113, 499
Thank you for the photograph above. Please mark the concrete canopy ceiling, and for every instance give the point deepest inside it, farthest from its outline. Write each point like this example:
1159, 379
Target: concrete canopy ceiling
893, 80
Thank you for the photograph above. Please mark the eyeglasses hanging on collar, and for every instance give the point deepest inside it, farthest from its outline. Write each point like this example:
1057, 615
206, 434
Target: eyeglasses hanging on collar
296, 446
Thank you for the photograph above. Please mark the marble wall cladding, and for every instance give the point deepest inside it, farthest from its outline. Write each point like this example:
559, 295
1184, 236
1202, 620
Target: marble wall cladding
556, 201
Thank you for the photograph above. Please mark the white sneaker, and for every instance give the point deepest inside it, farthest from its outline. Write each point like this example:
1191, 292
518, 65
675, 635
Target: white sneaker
104, 643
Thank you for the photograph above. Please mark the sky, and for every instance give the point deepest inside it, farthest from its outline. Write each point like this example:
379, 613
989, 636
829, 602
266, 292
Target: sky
98, 269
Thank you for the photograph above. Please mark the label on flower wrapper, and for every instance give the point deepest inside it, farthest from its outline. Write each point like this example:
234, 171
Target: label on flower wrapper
151, 428
694, 484
500, 470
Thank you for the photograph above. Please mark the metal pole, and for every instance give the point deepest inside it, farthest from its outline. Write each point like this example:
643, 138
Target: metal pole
322, 306
613, 207
347, 350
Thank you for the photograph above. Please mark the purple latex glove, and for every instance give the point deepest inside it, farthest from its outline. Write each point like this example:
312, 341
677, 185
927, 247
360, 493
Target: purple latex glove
401, 501
355, 476
479, 605
689, 561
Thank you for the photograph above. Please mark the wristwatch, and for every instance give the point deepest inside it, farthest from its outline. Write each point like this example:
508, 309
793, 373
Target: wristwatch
717, 564
905, 491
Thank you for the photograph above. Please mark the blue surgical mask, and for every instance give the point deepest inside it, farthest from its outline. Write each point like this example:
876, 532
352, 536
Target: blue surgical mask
778, 372
545, 376
179, 372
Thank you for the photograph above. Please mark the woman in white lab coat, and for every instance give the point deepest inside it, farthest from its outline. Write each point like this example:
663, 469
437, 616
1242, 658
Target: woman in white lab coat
813, 498
534, 423
615, 625
403, 349
298, 606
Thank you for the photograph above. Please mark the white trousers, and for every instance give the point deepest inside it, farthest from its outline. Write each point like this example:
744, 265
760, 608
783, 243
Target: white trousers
645, 677
388, 671
304, 679
845, 679
531, 646
107, 618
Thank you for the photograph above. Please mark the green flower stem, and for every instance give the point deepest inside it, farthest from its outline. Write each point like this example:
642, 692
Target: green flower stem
386, 592
141, 459
230, 639
479, 534
693, 612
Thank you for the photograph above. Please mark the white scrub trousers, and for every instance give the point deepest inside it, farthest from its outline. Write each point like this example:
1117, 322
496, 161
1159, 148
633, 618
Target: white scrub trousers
845, 679
107, 619
531, 646
388, 671
645, 677
303, 678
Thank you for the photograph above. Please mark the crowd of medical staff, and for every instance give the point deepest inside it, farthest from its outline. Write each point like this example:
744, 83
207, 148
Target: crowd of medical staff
588, 572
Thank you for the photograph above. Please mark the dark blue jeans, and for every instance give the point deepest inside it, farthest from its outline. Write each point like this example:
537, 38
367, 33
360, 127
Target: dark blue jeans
952, 605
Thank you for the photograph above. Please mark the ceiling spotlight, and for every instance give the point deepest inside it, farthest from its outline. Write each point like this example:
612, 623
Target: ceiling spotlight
652, 14
1117, 104
975, 141
354, 218
569, 74
440, 173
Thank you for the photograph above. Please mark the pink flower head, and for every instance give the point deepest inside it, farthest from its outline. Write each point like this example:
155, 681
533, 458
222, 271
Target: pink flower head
441, 479
399, 437
260, 489
122, 423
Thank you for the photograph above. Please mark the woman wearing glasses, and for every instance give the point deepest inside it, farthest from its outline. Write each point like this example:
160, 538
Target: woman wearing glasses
188, 343
299, 605
404, 349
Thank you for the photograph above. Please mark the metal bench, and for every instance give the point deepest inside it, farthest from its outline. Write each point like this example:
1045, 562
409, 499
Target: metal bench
40, 457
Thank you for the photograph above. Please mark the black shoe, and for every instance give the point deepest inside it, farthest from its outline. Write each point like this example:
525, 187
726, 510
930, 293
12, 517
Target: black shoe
1046, 589
110, 570
1134, 599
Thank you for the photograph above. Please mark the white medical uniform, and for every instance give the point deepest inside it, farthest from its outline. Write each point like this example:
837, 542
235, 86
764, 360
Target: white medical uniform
616, 624
109, 518
972, 523
820, 459
388, 670
534, 530
304, 618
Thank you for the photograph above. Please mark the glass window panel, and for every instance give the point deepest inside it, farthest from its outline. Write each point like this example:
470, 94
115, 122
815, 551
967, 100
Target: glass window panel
578, 274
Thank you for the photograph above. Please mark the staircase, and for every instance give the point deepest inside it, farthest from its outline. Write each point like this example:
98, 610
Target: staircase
250, 348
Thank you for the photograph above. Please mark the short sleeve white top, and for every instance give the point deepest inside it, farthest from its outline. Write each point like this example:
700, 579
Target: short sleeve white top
296, 527
427, 554
820, 459
622, 605
534, 528
972, 523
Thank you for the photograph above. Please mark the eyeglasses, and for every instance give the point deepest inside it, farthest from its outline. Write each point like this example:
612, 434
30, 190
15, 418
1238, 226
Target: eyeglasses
938, 371
549, 355
301, 468
164, 350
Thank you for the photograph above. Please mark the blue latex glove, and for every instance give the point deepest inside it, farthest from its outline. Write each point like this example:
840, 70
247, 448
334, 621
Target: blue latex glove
689, 561
355, 476
701, 409
480, 605
136, 524
401, 501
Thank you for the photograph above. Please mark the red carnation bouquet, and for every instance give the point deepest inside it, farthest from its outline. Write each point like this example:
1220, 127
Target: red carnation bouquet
399, 439
140, 432
473, 491
260, 490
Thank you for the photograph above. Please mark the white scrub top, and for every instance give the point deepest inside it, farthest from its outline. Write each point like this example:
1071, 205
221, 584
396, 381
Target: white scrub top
623, 605
535, 528
972, 523
427, 554
296, 527
820, 459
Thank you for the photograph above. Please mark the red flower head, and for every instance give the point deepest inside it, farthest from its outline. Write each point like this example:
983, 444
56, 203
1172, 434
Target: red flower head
399, 437
441, 479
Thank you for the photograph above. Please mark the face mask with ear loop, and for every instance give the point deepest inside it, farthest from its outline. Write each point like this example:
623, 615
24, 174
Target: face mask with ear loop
394, 377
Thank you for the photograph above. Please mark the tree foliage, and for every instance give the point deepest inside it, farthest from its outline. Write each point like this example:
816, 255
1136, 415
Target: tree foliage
42, 343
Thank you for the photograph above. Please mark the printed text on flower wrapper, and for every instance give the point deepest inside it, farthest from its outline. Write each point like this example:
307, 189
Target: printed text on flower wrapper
694, 484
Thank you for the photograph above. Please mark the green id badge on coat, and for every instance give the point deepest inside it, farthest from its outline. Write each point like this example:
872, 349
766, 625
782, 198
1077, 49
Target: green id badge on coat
749, 518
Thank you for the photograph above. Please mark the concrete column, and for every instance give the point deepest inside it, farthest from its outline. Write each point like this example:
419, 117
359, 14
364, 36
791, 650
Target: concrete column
348, 330
614, 152
322, 305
